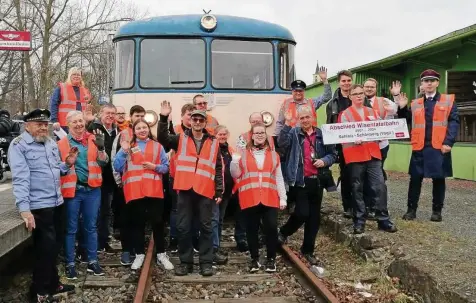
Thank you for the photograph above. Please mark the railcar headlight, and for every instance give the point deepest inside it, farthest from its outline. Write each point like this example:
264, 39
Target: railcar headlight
208, 22
267, 118
151, 117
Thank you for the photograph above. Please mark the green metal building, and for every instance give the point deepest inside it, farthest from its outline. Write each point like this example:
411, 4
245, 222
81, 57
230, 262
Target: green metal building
454, 57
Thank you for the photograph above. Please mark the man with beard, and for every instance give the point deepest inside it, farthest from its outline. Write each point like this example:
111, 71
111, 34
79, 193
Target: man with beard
36, 168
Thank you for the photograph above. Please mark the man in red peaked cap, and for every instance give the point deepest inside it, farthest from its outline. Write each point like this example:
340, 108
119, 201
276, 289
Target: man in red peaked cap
434, 124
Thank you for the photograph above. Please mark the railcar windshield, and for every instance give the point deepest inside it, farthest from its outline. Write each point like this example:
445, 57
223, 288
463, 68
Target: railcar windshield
242, 65
172, 63
124, 64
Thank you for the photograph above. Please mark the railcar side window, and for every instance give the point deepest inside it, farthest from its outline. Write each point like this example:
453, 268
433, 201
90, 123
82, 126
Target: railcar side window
172, 63
286, 68
124, 64
242, 65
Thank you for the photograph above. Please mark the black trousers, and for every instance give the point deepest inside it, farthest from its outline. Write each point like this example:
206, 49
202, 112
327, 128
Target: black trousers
189, 205
368, 172
345, 183
49, 222
118, 203
414, 190
269, 216
139, 212
307, 212
367, 191
104, 218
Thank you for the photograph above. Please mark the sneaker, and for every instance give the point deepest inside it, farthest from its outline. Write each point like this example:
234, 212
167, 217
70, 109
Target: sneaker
359, 229
311, 259
218, 258
71, 272
206, 270
163, 260
371, 215
81, 258
270, 265
64, 288
44, 299
94, 268
387, 226
126, 258
106, 249
138, 261
183, 269
255, 266
173, 246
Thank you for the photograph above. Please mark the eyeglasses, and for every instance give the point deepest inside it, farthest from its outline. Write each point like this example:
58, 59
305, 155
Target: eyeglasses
120, 114
357, 94
201, 103
199, 120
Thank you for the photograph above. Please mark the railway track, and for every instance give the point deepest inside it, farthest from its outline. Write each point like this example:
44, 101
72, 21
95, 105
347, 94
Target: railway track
293, 282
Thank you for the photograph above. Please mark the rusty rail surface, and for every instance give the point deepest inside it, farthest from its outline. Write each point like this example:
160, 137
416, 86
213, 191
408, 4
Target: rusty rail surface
318, 285
145, 279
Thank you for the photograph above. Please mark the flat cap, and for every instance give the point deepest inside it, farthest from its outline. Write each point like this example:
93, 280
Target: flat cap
38, 115
430, 74
198, 112
298, 84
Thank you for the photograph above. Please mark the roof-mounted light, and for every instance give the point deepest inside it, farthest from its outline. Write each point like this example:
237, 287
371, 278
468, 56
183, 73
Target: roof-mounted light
208, 22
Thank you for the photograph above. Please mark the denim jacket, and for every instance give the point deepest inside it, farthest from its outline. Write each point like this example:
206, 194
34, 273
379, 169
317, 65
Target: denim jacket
292, 139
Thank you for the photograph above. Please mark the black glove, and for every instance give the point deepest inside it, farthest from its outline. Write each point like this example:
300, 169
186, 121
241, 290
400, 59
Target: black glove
99, 141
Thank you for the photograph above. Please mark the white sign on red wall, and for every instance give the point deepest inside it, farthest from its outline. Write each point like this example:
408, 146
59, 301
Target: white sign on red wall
15, 41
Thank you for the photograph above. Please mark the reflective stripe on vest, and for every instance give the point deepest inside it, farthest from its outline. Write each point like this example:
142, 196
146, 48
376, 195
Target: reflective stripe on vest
290, 110
354, 153
68, 181
255, 185
441, 112
196, 171
69, 100
138, 182
378, 106
247, 137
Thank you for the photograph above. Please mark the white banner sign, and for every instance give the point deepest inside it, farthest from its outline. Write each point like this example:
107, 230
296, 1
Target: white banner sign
365, 130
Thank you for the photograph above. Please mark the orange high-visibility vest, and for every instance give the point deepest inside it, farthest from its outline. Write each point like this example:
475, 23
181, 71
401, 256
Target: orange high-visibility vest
68, 182
68, 101
211, 124
290, 109
367, 150
253, 191
196, 171
138, 182
440, 121
378, 106
247, 137
178, 129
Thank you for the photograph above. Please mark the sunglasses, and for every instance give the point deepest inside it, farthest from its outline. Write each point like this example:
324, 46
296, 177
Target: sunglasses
200, 120
201, 103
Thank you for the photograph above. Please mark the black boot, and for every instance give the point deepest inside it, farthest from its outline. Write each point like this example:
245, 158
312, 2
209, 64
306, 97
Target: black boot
206, 270
183, 269
219, 258
410, 214
436, 216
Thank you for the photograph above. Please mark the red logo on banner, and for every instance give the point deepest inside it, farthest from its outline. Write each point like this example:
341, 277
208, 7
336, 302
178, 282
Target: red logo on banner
399, 135
15, 41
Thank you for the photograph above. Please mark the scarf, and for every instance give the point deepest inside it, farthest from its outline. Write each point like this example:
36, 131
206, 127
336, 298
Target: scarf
83, 140
124, 125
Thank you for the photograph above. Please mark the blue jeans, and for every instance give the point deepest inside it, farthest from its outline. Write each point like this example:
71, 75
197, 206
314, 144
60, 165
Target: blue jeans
85, 202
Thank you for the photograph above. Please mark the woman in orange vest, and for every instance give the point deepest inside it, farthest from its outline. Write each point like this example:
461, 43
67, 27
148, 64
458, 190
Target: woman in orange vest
261, 193
69, 96
143, 162
81, 188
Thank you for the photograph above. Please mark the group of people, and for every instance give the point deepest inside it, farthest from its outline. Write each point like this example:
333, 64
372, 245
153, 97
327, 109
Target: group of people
189, 175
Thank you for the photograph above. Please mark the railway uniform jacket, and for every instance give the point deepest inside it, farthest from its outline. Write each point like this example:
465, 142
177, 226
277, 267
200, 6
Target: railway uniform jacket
430, 162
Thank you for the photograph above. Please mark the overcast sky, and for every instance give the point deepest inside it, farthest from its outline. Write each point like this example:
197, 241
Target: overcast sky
340, 34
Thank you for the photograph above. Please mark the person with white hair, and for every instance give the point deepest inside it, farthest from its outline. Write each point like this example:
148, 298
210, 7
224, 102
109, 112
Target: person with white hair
81, 189
68, 96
